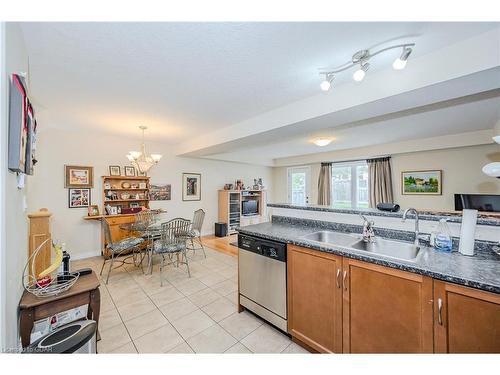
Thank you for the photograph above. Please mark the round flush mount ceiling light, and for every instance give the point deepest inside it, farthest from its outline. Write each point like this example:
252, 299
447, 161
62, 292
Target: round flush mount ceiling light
361, 58
321, 142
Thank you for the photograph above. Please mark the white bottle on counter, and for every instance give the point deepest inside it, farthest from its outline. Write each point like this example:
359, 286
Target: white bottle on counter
467, 232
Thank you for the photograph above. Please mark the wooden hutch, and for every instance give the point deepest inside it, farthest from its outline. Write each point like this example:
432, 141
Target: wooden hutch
123, 192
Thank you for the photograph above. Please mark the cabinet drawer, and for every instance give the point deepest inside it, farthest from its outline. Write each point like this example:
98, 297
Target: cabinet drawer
120, 220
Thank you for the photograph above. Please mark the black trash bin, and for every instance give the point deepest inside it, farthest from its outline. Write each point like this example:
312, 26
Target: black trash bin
76, 337
220, 229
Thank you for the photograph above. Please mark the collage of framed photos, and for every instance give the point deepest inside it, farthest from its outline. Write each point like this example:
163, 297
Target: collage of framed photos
79, 180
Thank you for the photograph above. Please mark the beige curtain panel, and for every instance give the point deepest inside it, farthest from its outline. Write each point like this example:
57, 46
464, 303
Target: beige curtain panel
380, 181
325, 184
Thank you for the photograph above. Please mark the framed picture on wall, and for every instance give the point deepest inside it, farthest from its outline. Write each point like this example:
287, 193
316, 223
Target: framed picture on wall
421, 182
191, 186
114, 170
129, 171
160, 192
78, 198
78, 176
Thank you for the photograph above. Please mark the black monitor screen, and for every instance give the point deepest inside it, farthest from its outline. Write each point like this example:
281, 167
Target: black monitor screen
250, 207
480, 202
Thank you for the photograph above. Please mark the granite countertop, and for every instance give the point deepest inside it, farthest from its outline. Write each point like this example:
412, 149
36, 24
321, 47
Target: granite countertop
481, 271
483, 218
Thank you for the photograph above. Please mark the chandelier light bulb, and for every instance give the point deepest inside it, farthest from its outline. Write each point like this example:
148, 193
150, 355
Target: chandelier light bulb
135, 154
156, 157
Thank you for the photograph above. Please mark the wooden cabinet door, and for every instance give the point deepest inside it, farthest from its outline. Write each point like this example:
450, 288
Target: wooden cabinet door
385, 310
466, 320
315, 299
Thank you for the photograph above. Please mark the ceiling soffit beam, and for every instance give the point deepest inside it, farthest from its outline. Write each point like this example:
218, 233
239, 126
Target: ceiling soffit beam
469, 56
475, 86
481, 137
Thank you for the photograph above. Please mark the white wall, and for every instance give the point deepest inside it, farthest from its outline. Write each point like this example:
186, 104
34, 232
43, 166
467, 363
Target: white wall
14, 221
461, 168
461, 174
56, 148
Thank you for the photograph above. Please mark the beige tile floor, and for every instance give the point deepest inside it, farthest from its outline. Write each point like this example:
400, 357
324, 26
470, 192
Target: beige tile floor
186, 315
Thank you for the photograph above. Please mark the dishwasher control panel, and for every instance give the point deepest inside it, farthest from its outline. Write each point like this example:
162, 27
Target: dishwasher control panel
270, 249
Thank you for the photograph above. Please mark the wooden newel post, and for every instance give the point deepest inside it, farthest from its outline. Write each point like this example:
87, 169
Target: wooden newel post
39, 231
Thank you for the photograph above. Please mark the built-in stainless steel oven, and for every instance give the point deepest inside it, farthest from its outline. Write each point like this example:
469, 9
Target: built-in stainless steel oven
262, 278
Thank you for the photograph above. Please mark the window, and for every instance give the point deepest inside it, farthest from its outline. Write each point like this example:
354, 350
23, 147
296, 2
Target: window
298, 185
350, 185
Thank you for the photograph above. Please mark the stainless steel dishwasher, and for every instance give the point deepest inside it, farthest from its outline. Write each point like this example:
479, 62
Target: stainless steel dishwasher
262, 278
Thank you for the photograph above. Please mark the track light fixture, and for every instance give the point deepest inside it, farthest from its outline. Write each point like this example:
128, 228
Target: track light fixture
361, 59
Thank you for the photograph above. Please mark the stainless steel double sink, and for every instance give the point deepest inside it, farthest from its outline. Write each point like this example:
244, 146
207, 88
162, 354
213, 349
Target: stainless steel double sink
389, 248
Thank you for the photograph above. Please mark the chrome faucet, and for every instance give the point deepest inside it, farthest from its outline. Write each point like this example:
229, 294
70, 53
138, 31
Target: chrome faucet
417, 232
368, 234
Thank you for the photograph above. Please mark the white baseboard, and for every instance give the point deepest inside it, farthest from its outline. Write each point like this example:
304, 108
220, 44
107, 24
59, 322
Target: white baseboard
97, 253
85, 255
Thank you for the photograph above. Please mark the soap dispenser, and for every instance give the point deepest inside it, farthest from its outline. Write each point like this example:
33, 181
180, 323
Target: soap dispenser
442, 240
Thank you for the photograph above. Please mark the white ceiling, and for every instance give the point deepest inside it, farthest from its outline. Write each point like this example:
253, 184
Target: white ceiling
184, 79
453, 117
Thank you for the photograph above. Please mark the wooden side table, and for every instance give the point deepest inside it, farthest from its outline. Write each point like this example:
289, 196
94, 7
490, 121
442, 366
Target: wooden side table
32, 308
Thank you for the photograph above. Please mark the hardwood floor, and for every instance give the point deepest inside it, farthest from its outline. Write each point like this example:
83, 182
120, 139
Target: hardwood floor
222, 244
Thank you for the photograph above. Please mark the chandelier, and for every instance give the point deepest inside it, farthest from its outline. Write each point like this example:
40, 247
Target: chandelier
140, 159
361, 60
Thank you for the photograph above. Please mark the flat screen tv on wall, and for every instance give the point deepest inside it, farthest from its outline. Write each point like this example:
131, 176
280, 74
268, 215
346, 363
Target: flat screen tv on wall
480, 202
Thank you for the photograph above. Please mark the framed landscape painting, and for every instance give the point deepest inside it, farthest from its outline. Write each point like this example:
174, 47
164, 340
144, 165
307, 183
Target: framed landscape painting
421, 182
191, 186
78, 176
160, 192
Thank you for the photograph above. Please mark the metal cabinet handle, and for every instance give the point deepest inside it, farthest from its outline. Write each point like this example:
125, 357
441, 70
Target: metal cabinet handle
343, 280
440, 308
338, 278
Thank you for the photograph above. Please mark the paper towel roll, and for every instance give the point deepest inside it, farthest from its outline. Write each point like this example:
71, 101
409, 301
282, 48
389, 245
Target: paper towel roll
467, 232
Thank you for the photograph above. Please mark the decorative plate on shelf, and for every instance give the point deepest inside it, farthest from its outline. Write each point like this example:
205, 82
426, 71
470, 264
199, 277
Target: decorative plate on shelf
125, 196
125, 185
